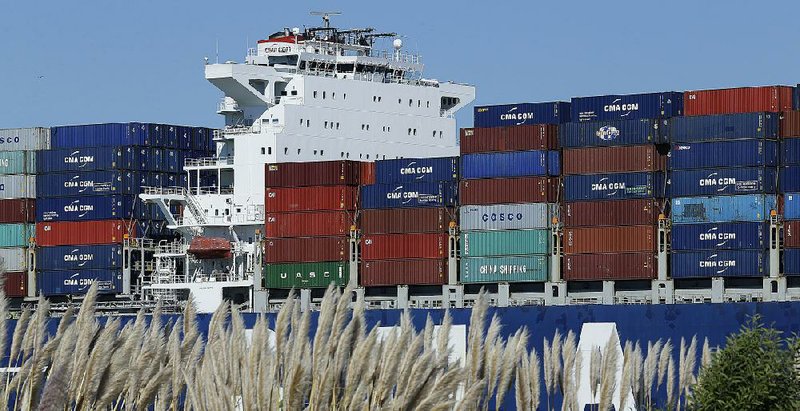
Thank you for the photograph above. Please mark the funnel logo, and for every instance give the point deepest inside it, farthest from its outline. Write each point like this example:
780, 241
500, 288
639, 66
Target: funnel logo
607, 133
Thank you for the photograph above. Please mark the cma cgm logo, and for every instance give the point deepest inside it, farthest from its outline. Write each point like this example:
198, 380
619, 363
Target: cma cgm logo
516, 116
412, 169
399, 194
605, 185
616, 107
77, 207
721, 237
75, 256
76, 158
719, 265
607, 133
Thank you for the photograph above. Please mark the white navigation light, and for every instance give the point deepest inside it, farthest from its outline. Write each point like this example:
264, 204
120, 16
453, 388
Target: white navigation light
397, 44
295, 31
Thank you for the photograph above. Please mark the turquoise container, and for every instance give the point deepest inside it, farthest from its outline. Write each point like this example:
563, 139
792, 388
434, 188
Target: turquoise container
17, 162
532, 268
504, 242
15, 235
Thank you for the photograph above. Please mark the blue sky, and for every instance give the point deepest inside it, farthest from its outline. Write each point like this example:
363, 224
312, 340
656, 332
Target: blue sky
89, 61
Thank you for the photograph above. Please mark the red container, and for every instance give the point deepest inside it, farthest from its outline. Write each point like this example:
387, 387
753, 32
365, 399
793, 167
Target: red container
600, 160
406, 220
791, 234
596, 267
83, 232
367, 170
790, 124
590, 240
17, 211
512, 138
509, 190
308, 224
403, 272
322, 173
402, 246
278, 200
16, 284
611, 213
737, 100
306, 250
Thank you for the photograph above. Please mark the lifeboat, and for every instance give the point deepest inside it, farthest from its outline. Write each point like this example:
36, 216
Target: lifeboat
210, 248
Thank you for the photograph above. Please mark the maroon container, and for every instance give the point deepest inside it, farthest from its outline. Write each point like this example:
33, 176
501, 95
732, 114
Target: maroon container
283, 199
403, 272
309, 224
737, 100
590, 240
512, 138
790, 124
306, 250
600, 160
403, 246
611, 213
509, 191
83, 232
322, 173
16, 284
791, 234
17, 211
405, 220
596, 267
367, 170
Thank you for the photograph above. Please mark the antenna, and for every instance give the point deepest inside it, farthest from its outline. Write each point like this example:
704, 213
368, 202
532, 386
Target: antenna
216, 45
326, 16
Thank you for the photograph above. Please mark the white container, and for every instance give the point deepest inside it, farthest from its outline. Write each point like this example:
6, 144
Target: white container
25, 139
17, 186
14, 259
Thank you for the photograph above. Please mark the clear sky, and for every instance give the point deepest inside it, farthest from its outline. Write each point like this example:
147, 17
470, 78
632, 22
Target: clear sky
89, 61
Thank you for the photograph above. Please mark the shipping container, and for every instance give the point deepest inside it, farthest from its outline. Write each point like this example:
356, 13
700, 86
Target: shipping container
791, 262
719, 263
403, 246
306, 249
14, 259
791, 206
306, 275
79, 257
504, 242
723, 181
16, 235
612, 213
617, 266
83, 232
627, 107
88, 159
320, 173
309, 224
17, 162
791, 234
15, 284
366, 171
618, 186
613, 133
89, 183
17, 186
790, 152
790, 124
25, 139
722, 236
508, 269
441, 194
507, 216
522, 114
78, 282
410, 170
797, 97
720, 209
406, 220
553, 163
742, 153
738, 100
418, 271
21, 210
598, 160
318, 198
86, 208
504, 165
108, 135
593, 240
724, 127
511, 138
509, 191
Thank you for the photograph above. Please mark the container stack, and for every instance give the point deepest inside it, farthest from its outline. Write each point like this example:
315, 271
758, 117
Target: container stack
614, 164
310, 211
790, 187
724, 180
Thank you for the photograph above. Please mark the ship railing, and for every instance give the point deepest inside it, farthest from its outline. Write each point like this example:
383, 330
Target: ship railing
252, 52
235, 130
171, 247
203, 190
208, 161
169, 190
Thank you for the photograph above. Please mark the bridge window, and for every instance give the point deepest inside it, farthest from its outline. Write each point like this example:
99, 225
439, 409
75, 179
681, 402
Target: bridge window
345, 96
367, 156
428, 104
337, 125
379, 99
322, 152
374, 99
434, 133
286, 150
415, 131
409, 131
298, 151
362, 127
367, 127
263, 150
269, 150
342, 154
410, 101
315, 93
301, 121
294, 92
419, 103
333, 95
326, 124
399, 101
323, 95
440, 133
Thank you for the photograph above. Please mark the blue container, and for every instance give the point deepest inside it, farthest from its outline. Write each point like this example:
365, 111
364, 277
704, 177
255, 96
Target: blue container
506, 164
86, 208
79, 257
553, 163
720, 236
791, 262
442, 194
618, 186
612, 133
741, 153
407, 170
106, 135
790, 152
789, 178
89, 183
720, 209
201, 138
791, 206
723, 181
714, 263
724, 127
87, 159
78, 282
174, 161
184, 138
523, 113
628, 107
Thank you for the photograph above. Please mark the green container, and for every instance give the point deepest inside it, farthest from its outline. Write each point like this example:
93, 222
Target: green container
306, 275
15, 235
17, 162
530, 268
506, 242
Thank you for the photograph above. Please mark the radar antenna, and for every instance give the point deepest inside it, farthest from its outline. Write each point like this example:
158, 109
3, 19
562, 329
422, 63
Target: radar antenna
326, 16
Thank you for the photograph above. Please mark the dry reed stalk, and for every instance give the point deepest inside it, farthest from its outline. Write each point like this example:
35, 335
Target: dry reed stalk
555, 357
706, 358
536, 388
576, 381
687, 368
670, 383
663, 361
650, 371
595, 371
548, 369
568, 354
522, 383
608, 378
626, 379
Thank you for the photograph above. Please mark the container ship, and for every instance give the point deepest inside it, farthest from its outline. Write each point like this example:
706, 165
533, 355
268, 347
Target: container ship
340, 163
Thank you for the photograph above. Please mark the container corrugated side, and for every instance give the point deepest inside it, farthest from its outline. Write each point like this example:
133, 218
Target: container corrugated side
25, 139
14, 259
791, 206
791, 234
593, 240
504, 242
51, 283
20, 210
724, 127
611, 213
16, 235
522, 114
598, 160
509, 190
15, 284
85, 208
505, 269
282, 199
88, 159
306, 249
17, 162
720, 209
306, 275
723, 181
108, 135
791, 262
741, 153
790, 152
797, 97
627, 107
612, 133
406, 220
90, 183
404, 246
441, 194
738, 100
409, 170
17, 186
617, 186
507, 216
511, 138
320, 173
83, 232
616, 266
417, 271
79, 257
308, 224
504, 165
719, 263
720, 236
790, 124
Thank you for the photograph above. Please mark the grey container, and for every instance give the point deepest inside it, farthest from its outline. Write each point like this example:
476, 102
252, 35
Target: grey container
24, 139
507, 216
14, 259
17, 186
